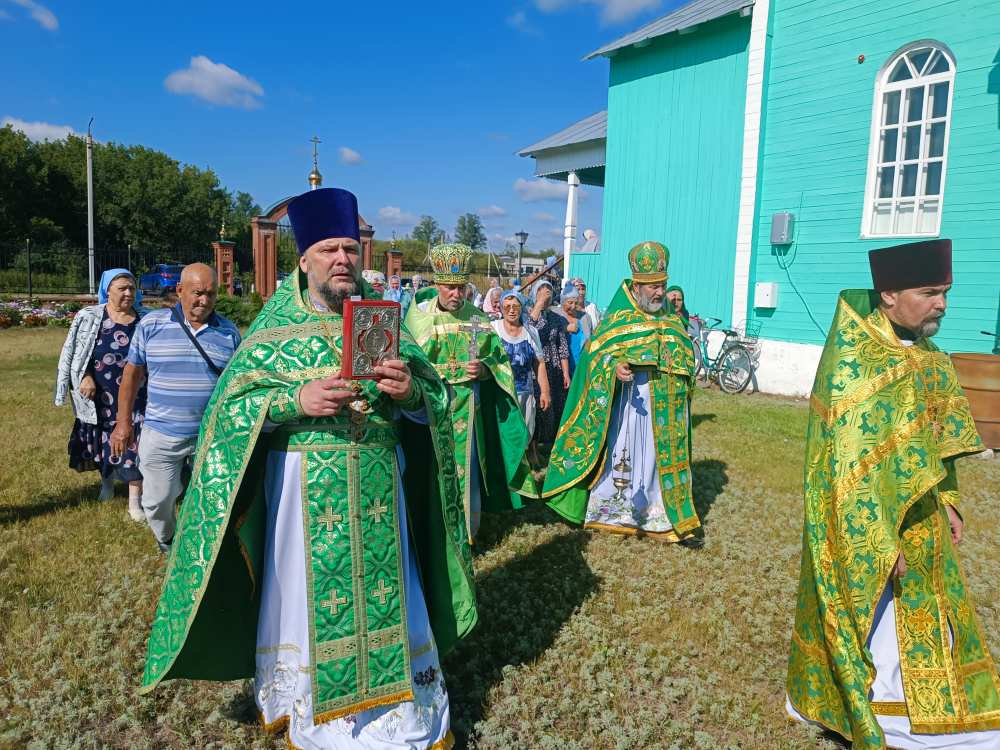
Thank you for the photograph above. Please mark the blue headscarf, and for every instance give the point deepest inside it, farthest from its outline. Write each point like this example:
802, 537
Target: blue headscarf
110, 275
569, 291
516, 295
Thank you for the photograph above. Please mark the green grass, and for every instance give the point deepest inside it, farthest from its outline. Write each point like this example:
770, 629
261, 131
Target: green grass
586, 640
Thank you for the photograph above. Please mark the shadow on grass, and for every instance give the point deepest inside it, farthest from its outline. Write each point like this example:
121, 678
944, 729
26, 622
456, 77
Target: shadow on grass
495, 527
522, 607
708, 479
45, 504
697, 419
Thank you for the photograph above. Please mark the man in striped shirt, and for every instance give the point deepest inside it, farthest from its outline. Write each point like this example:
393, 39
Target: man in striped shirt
180, 381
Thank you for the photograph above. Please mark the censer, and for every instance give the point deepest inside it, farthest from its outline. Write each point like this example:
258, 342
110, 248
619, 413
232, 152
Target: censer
623, 481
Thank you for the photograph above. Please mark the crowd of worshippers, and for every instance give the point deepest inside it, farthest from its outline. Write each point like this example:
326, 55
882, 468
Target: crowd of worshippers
323, 546
130, 371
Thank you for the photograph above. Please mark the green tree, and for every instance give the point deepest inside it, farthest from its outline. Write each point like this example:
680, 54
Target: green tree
142, 197
469, 231
426, 230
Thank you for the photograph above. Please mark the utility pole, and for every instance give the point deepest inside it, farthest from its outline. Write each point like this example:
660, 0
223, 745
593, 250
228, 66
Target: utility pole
90, 204
27, 247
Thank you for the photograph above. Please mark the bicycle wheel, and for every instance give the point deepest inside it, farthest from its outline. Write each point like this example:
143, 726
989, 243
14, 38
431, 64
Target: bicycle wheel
735, 369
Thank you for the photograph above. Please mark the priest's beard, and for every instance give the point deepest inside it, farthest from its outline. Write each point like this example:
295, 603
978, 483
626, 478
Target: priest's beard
646, 303
334, 298
929, 327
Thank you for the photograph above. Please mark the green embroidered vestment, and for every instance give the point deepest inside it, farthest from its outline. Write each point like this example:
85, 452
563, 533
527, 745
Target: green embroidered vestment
206, 622
886, 424
496, 421
656, 341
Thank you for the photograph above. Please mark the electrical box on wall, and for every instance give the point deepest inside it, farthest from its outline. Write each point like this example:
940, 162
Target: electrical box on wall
765, 295
782, 228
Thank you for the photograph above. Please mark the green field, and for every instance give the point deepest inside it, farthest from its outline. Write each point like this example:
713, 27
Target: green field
586, 641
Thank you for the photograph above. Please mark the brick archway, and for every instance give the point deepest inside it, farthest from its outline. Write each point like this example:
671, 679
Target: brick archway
265, 246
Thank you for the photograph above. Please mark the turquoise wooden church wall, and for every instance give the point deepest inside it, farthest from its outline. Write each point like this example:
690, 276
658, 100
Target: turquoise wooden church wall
674, 148
814, 157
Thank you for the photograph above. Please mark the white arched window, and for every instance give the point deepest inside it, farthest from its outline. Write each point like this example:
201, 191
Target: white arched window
909, 143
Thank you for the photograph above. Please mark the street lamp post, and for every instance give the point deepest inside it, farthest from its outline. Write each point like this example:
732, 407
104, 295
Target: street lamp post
90, 206
522, 237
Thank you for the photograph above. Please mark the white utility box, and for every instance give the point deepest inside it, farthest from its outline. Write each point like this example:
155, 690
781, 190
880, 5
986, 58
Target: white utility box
765, 295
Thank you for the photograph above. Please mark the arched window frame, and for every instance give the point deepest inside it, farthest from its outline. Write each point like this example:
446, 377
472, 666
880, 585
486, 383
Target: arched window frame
902, 214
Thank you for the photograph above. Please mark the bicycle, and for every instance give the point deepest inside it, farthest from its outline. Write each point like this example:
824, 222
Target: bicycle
734, 365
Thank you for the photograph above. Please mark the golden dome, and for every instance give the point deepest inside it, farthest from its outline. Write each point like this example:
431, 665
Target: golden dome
315, 178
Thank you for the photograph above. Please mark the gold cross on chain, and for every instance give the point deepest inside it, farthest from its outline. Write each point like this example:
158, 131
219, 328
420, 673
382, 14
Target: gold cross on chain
329, 518
378, 510
382, 591
333, 602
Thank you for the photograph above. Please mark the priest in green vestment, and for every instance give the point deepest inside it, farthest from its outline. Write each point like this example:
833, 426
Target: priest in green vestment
321, 546
887, 650
622, 458
490, 434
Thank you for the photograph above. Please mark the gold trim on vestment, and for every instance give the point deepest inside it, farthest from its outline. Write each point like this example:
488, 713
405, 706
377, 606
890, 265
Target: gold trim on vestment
868, 389
448, 743
889, 708
669, 536
355, 708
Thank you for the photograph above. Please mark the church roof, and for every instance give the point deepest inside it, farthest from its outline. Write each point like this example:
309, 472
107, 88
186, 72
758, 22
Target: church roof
593, 128
685, 17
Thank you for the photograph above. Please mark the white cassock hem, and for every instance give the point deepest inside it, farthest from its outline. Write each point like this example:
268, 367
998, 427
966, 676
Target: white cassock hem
888, 688
282, 685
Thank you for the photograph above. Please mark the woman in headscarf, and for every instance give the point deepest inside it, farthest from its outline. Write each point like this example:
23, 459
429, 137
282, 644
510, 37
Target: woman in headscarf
491, 302
578, 324
552, 334
472, 295
90, 369
676, 296
524, 350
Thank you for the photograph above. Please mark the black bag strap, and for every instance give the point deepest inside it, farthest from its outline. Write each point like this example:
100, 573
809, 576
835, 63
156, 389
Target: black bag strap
178, 316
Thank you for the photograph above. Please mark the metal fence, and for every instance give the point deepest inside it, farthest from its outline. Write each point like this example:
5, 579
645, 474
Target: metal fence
59, 269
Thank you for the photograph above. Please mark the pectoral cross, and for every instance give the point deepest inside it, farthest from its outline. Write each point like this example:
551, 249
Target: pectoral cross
474, 328
359, 425
382, 592
329, 518
333, 602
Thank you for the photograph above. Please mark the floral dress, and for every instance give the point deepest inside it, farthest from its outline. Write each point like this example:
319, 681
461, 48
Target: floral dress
555, 348
90, 444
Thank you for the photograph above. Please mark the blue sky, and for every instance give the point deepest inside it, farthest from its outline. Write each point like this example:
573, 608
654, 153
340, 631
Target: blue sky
431, 100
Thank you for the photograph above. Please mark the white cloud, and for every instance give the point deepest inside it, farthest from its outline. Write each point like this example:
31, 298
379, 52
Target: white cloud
490, 212
612, 11
45, 17
215, 83
534, 191
519, 22
395, 216
349, 156
542, 216
38, 131
556, 232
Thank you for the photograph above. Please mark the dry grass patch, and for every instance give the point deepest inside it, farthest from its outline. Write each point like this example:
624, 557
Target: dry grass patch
586, 640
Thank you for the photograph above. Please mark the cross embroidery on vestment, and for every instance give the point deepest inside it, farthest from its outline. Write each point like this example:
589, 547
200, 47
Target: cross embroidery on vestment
382, 592
378, 510
329, 518
333, 602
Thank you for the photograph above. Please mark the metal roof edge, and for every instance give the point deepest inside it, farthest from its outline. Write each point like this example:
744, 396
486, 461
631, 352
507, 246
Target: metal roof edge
659, 27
